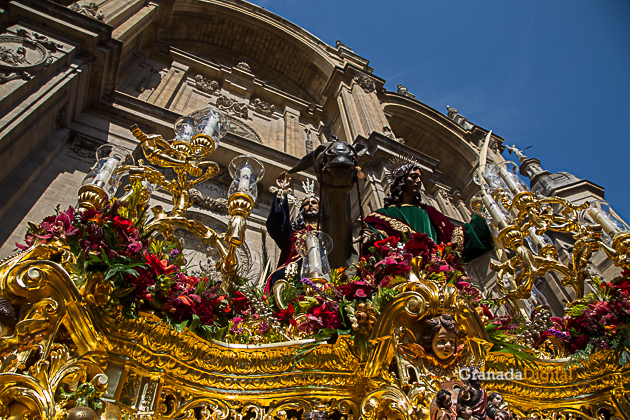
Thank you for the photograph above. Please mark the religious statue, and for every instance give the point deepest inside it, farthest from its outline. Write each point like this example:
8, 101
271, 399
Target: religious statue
444, 405
474, 395
463, 411
517, 152
285, 233
405, 214
495, 406
440, 336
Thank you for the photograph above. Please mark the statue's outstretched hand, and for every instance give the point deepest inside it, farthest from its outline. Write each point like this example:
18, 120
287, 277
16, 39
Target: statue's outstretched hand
283, 181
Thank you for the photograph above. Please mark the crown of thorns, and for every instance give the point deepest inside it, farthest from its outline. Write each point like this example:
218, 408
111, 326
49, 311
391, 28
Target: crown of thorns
398, 165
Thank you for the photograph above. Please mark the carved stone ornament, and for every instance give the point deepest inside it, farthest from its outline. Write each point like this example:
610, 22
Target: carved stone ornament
146, 81
36, 38
459, 119
90, 9
403, 91
244, 63
231, 106
218, 204
239, 128
18, 53
206, 85
366, 82
263, 107
7, 76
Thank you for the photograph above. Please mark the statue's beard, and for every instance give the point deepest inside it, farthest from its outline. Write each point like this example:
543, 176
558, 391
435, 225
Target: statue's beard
311, 214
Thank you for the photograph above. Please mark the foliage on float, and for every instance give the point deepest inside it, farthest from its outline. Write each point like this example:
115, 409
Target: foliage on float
598, 322
148, 274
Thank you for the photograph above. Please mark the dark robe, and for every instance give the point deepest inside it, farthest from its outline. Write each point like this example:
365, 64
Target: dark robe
472, 239
280, 229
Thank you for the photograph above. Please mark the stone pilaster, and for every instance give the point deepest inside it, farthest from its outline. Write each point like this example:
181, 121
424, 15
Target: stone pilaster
292, 131
371, 116
164, 95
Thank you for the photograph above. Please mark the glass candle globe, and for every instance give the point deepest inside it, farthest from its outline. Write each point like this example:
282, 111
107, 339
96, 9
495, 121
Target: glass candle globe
245, 171
208, 122
103, 174
508, 172
599, 212
314, 246
495, 215
490, 177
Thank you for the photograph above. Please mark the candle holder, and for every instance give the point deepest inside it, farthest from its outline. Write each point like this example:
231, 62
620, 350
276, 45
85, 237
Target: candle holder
196, 137
516, 216
314, 247
245, 171
103, 179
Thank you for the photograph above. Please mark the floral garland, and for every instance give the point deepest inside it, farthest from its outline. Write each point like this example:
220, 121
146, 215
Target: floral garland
601, 321
149, 274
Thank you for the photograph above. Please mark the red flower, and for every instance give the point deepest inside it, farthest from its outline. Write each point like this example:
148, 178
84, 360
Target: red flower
205, 313
160, 267
124, 224
356, 289
420, 244
390, 242
59, 226
240, 303
285, 314
142, 282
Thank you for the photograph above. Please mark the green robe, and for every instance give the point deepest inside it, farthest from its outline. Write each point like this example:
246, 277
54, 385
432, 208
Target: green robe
472, 239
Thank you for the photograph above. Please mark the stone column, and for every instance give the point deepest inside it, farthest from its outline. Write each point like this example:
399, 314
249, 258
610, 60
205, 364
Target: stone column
463, 210
349, 114
445, 204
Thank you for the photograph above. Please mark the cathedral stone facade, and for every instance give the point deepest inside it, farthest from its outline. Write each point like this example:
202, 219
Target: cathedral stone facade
74, 76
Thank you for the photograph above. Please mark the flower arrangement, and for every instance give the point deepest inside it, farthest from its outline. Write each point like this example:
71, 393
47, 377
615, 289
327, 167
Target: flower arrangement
600, 321
146, 273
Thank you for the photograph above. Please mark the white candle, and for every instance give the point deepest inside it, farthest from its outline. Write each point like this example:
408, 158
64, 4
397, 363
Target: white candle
106, 172
493, 208
243, 183
314, 256
186, 133
600, 217
507, 178
211, 124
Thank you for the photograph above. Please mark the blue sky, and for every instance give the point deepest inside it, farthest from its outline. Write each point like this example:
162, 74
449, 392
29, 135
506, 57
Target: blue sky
554, 75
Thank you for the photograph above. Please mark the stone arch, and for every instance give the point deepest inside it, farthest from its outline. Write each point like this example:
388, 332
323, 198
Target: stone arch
279, 51
428, 131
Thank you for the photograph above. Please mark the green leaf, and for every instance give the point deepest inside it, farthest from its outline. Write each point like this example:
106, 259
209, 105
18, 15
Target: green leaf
180, 327
195, 323
128, 311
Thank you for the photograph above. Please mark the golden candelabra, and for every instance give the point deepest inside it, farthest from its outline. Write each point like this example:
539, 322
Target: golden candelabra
197, 137
516, 216
68, 352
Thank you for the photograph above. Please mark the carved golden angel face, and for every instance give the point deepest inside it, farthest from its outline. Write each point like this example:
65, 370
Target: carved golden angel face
443, 344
